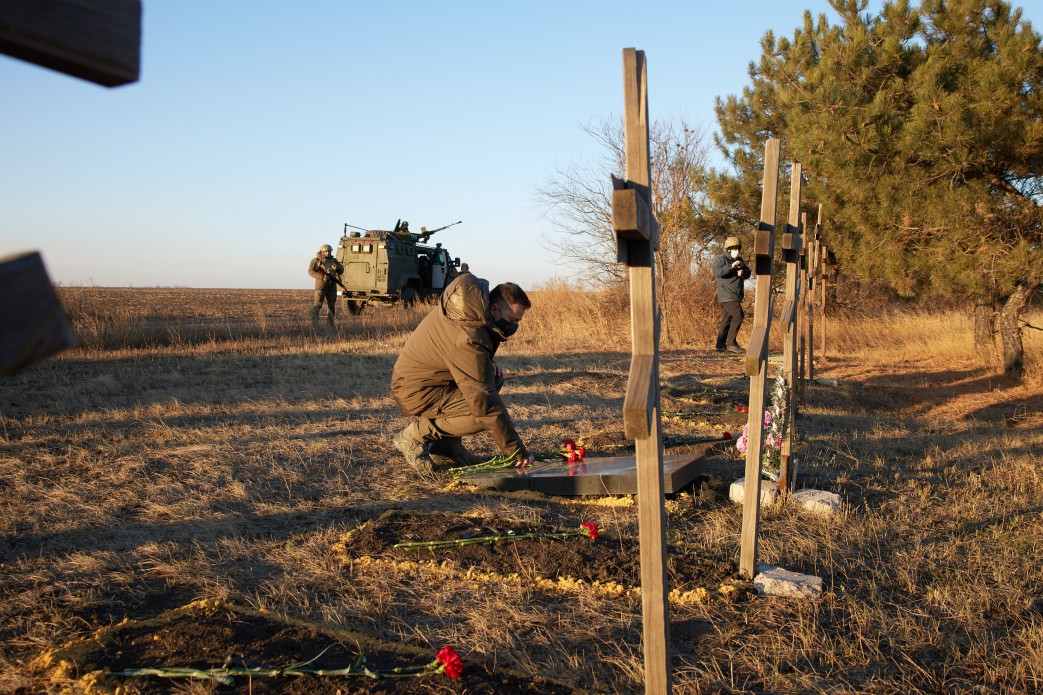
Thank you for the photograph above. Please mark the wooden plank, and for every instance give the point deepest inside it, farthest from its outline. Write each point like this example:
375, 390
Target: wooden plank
632, 217
95, 40
761, 323
756, 351
825, 279
789, 324
640, 256
640, 398
34, 324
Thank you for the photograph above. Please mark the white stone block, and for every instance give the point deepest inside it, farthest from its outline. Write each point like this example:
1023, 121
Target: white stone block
769, 492
775, 581
817, 501
826, 382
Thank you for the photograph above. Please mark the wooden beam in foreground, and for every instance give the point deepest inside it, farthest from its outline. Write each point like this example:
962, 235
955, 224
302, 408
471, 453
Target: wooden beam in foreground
95, 40
34, 324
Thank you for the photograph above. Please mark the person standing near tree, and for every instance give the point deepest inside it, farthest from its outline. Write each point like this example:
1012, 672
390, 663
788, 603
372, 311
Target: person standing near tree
731, 272
446, 379
325, 269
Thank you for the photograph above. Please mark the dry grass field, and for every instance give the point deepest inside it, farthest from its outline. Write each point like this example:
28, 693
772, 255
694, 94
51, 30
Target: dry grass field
206, 445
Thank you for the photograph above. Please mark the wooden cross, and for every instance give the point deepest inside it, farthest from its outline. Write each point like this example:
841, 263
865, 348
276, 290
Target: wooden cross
791, 246
637, 234
802, 320
813, 273
757, 359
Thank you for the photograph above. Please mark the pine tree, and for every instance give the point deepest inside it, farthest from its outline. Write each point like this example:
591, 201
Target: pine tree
922, 134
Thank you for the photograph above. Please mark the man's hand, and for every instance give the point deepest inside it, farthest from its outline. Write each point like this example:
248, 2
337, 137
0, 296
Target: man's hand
522, 463
497, 371
736, 264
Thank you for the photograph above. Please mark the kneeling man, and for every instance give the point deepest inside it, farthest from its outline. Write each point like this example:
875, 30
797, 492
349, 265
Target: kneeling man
446, 377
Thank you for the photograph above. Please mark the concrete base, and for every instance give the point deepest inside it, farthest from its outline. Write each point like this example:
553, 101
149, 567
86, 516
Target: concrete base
769, 492
775, 581
595, 476
817, 501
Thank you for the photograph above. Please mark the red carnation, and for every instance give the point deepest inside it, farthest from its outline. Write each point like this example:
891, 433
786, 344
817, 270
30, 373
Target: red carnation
590, 529
451, 662
581, 451
726, 435
570, 444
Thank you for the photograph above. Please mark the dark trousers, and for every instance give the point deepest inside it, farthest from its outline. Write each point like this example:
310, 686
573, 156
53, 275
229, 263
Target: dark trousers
730, 323
328, 297
451, 417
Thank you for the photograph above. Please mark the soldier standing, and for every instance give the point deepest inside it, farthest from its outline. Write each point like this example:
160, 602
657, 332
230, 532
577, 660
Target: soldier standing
326, 270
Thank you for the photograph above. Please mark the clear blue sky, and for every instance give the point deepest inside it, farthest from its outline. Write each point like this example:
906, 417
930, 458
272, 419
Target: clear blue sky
258, 128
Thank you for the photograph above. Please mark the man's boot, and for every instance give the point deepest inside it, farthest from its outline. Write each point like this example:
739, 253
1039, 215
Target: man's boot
414, 449
314, 314
451, 452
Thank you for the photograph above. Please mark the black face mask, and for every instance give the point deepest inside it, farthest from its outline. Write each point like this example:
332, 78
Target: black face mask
505, 327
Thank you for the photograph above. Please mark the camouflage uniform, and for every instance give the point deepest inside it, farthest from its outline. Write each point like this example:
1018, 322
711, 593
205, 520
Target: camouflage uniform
325, 287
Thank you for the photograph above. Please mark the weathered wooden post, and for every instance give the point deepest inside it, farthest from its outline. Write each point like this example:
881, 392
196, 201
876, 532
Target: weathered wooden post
637, 239
802, 318
825, 279
812, 262
791, 245
757, 360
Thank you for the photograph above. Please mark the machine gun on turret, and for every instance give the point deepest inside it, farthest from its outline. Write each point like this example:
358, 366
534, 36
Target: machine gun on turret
425, 235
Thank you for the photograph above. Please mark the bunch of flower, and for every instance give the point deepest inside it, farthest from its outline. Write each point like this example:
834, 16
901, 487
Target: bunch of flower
570, 451
773, 432
446, 661
587, 528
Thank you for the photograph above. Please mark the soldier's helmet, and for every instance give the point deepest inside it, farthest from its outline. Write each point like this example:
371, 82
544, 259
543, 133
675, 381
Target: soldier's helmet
326, 247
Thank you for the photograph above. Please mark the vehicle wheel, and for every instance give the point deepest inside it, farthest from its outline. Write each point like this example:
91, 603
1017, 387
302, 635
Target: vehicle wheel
355, 307
408, 297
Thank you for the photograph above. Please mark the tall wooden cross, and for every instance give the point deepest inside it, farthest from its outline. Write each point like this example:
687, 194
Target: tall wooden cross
637, 236
791, 245
802, 319
757, 359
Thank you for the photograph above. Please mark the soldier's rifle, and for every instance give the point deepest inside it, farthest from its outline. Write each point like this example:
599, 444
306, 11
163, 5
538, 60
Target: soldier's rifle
327, 276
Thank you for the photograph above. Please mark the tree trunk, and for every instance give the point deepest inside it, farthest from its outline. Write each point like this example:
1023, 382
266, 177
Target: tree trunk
984, 325
1010, 331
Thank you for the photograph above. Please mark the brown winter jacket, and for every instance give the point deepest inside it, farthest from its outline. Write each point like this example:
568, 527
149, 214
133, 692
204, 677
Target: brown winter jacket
454, 345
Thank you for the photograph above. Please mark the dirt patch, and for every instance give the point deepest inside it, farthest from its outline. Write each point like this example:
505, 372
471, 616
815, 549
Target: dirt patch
609, 559
213, 635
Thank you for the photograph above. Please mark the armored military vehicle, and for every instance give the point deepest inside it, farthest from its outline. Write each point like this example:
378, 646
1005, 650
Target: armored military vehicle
393, 267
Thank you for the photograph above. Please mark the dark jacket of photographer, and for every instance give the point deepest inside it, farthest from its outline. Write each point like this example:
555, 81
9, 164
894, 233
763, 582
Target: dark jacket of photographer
729, 284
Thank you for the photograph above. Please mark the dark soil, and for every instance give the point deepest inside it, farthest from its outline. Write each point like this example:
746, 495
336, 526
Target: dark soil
610, 558
223, 635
